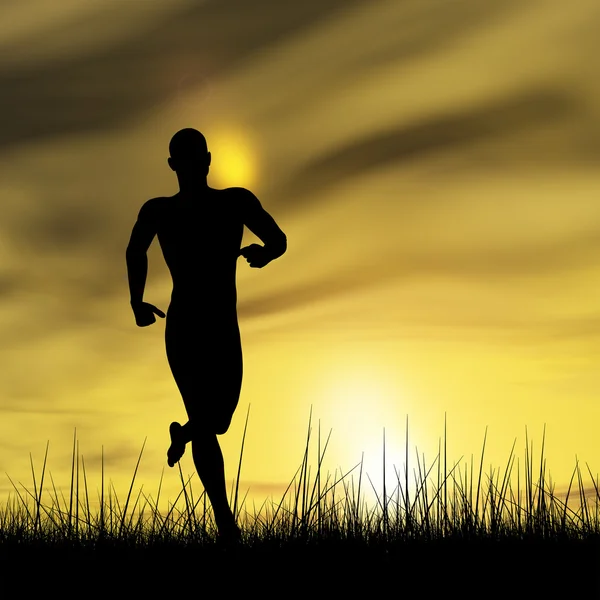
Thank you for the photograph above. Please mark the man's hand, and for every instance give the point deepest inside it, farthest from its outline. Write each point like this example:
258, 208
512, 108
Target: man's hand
256, 255
144, 313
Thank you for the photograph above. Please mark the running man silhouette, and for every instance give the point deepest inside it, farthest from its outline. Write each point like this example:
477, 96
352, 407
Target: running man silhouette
200, 233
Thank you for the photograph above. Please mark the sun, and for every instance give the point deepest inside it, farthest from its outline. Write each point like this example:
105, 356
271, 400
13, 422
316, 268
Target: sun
362, 404
233, 158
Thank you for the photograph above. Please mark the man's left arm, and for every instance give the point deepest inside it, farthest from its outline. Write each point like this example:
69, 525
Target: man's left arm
261, 224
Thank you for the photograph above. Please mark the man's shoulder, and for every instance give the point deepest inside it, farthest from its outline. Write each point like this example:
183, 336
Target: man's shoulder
239, 192
243, 196
156, 202
153, 206
152, 209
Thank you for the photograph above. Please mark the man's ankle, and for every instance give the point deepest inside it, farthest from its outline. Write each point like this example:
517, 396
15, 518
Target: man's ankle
186, 432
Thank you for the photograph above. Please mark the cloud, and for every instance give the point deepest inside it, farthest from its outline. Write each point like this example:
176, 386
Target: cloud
498, 118
119, 82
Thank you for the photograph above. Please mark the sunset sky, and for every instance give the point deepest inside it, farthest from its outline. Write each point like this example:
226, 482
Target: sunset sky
435, 166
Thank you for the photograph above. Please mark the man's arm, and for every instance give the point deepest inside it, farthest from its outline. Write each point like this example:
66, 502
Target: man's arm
142, 235
262, 224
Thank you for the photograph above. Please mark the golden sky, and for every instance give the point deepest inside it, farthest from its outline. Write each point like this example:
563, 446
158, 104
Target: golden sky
434, 165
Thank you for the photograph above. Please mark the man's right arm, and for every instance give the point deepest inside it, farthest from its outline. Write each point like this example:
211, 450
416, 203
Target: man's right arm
142, 235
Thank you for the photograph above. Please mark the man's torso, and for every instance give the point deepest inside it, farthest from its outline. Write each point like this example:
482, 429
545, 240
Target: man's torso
200, 238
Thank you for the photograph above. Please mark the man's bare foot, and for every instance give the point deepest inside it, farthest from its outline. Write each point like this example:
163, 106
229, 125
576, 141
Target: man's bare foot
177, 448
229, 536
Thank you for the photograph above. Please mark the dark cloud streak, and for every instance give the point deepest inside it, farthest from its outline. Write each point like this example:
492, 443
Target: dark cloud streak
93, 93
442, 133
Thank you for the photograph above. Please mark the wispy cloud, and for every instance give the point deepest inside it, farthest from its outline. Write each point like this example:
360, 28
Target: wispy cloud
174, 51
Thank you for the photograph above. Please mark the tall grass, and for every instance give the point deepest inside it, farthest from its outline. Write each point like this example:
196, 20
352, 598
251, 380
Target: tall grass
428, 502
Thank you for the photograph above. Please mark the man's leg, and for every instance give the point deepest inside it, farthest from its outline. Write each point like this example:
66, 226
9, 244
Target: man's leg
181, 435
186, 433
210, 467
227, 357
197, 377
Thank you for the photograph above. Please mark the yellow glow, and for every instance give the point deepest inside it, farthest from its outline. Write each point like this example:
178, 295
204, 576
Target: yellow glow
361, 402
233, 161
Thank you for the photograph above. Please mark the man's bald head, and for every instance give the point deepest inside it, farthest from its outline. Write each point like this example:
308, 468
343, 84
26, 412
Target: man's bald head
187, 142
189, 152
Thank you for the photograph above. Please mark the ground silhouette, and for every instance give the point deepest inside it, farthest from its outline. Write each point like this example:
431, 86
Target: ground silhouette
200, 233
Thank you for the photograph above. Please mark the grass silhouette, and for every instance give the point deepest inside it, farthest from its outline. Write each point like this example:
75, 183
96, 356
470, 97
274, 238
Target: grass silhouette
454, 521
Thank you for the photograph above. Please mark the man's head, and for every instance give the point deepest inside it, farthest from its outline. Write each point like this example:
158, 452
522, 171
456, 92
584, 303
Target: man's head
189, 152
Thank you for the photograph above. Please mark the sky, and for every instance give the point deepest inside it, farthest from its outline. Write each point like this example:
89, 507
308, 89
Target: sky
434, 165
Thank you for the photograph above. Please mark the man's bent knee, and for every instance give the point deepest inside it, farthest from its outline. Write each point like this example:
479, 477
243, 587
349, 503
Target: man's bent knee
221, 426
203, 427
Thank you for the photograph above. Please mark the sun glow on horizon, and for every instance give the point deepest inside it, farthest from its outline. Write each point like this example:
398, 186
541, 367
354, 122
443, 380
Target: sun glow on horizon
362, 405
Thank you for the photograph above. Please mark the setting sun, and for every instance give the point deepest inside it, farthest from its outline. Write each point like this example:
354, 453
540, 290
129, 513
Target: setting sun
360, 403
